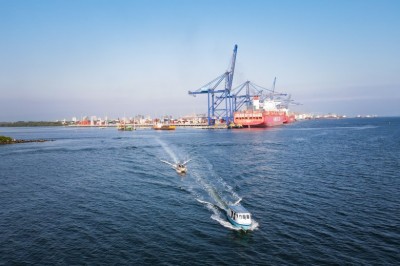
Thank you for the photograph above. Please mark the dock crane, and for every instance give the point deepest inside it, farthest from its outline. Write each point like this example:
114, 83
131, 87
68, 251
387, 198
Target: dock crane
219, 99
288, 101
244, 93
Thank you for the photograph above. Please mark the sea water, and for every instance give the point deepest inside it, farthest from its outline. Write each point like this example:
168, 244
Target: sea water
320, 192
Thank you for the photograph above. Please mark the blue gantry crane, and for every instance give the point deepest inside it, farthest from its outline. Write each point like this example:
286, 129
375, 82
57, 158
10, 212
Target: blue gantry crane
219, 99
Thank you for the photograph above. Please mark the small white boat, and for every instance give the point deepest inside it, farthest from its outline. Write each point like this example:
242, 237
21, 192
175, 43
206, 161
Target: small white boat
238, 216
179, 167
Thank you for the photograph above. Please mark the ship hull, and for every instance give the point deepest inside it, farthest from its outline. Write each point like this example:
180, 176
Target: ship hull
164, 127
259, 118
289, 119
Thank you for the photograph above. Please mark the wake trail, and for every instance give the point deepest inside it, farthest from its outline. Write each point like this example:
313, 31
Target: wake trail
168, 150
214, 193
207, 187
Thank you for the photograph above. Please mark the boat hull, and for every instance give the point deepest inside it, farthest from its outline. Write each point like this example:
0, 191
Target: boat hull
125, 128
164, 127
259, 118
235, 224
181, 170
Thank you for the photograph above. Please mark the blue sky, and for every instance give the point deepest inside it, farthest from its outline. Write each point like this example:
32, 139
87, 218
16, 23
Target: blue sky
60, 59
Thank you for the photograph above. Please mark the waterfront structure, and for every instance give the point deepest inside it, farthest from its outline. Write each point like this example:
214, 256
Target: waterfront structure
223, 104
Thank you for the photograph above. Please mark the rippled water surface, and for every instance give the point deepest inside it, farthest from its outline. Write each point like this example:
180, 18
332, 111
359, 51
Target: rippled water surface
320, 192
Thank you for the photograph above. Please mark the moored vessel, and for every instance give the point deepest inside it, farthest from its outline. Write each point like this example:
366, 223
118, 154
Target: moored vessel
164, 127
265, 114
124, 127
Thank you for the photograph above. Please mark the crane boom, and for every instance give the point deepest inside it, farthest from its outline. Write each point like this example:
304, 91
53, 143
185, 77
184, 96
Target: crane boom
232, 70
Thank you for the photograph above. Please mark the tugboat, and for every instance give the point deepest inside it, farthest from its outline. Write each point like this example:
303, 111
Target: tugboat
238, 216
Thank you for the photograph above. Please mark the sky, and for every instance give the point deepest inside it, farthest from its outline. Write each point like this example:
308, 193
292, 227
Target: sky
63, 59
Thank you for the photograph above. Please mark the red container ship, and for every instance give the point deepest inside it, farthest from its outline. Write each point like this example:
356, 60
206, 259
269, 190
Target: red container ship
265, 114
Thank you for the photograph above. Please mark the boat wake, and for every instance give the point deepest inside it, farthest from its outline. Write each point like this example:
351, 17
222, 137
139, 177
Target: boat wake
208, 187
216, 216
214, 193
168, 150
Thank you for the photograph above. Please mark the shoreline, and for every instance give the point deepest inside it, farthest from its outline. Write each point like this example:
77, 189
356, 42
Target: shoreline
16, 141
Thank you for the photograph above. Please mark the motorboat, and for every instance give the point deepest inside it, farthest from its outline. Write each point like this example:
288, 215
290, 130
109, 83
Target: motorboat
179, 167
238, 216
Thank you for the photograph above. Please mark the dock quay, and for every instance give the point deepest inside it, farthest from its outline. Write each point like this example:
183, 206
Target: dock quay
150, 126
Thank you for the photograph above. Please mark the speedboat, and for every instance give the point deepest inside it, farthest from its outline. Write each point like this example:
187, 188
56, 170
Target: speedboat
239, 217
179, 167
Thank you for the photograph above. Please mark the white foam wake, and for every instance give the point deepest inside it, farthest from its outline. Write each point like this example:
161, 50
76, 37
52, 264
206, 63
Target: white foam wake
168, 150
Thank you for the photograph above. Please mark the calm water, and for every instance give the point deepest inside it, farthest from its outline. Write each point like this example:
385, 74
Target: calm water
321, 192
